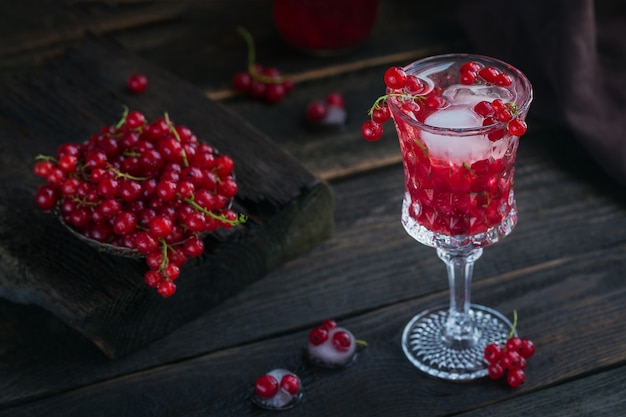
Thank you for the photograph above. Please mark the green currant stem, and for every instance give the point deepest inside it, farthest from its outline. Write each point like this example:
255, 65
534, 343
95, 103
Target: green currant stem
512, 332
242, 218
177, 136
120, 174
85, 202
360, 342
164, 259
382, 99
45, 158
123, 119
252, 60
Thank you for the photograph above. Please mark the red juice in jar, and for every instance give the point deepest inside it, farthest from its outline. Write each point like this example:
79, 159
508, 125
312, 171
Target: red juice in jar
458, 158
325, 27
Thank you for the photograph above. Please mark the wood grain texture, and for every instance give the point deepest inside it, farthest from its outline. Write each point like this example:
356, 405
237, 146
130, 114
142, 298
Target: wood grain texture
562, 268
371, 271
103, 296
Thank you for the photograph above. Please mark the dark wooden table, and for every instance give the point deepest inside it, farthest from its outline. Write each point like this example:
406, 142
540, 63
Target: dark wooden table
562, 268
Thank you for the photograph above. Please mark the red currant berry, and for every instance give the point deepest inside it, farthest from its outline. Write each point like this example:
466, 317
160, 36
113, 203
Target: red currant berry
515, 378
513, 344
160, 226
171, 271
342, 341
124, 223
290, 383
266, 386
468, 77
274, 93
498, 105
503, 80
257, 89
193, 247
318, 335
489, 74
316, 112
371, 130
137, 83
134, 119
329, 324
471, 66
166, 288
414, 85
381, 113
495, 370
483, 108
42, 168
527, 348
493, 352
241, 82
335, 100
433, 102
503, 115
46, 197
152, 278
510, 359
395, 77
495, 135
517, 127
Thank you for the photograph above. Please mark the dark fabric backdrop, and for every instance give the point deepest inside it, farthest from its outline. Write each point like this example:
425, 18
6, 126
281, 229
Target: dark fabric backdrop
574, 53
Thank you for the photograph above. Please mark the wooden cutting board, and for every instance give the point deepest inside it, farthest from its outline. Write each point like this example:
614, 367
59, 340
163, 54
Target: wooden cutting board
103, 296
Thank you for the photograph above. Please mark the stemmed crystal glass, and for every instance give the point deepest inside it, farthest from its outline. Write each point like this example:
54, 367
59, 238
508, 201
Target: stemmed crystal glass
458, 160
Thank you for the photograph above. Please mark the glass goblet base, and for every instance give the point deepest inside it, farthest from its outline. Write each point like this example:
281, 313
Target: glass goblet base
429, 348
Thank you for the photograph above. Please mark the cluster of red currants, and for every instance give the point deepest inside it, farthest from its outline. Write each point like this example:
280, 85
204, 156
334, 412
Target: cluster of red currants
499, 111
267, 385
150, 188
509, 360
341, 339
416, 99
262, 83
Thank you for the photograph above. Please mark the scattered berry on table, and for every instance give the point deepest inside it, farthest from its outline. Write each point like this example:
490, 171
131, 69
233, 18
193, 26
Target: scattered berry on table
509, 360
278, 389
137, 83
150, 189
331, 346
329, 113
258, 82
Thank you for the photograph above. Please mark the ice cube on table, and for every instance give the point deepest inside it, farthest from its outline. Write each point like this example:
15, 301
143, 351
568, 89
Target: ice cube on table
469, 95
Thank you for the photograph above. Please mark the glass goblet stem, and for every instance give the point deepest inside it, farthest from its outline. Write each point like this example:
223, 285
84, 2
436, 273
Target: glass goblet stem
460, 266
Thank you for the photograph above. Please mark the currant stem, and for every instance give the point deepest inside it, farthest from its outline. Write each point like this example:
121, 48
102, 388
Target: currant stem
252, 60
361, 343
123, 119
242, 218
382, 99
513, 327
45, 158
120, 174
164, 260
177, 136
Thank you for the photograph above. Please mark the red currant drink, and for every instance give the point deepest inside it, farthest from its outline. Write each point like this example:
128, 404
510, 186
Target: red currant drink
458, 119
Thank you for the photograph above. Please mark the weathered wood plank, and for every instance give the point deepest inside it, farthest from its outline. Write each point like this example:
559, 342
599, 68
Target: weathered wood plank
103, 296
596, 395
560, 306
370, 263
